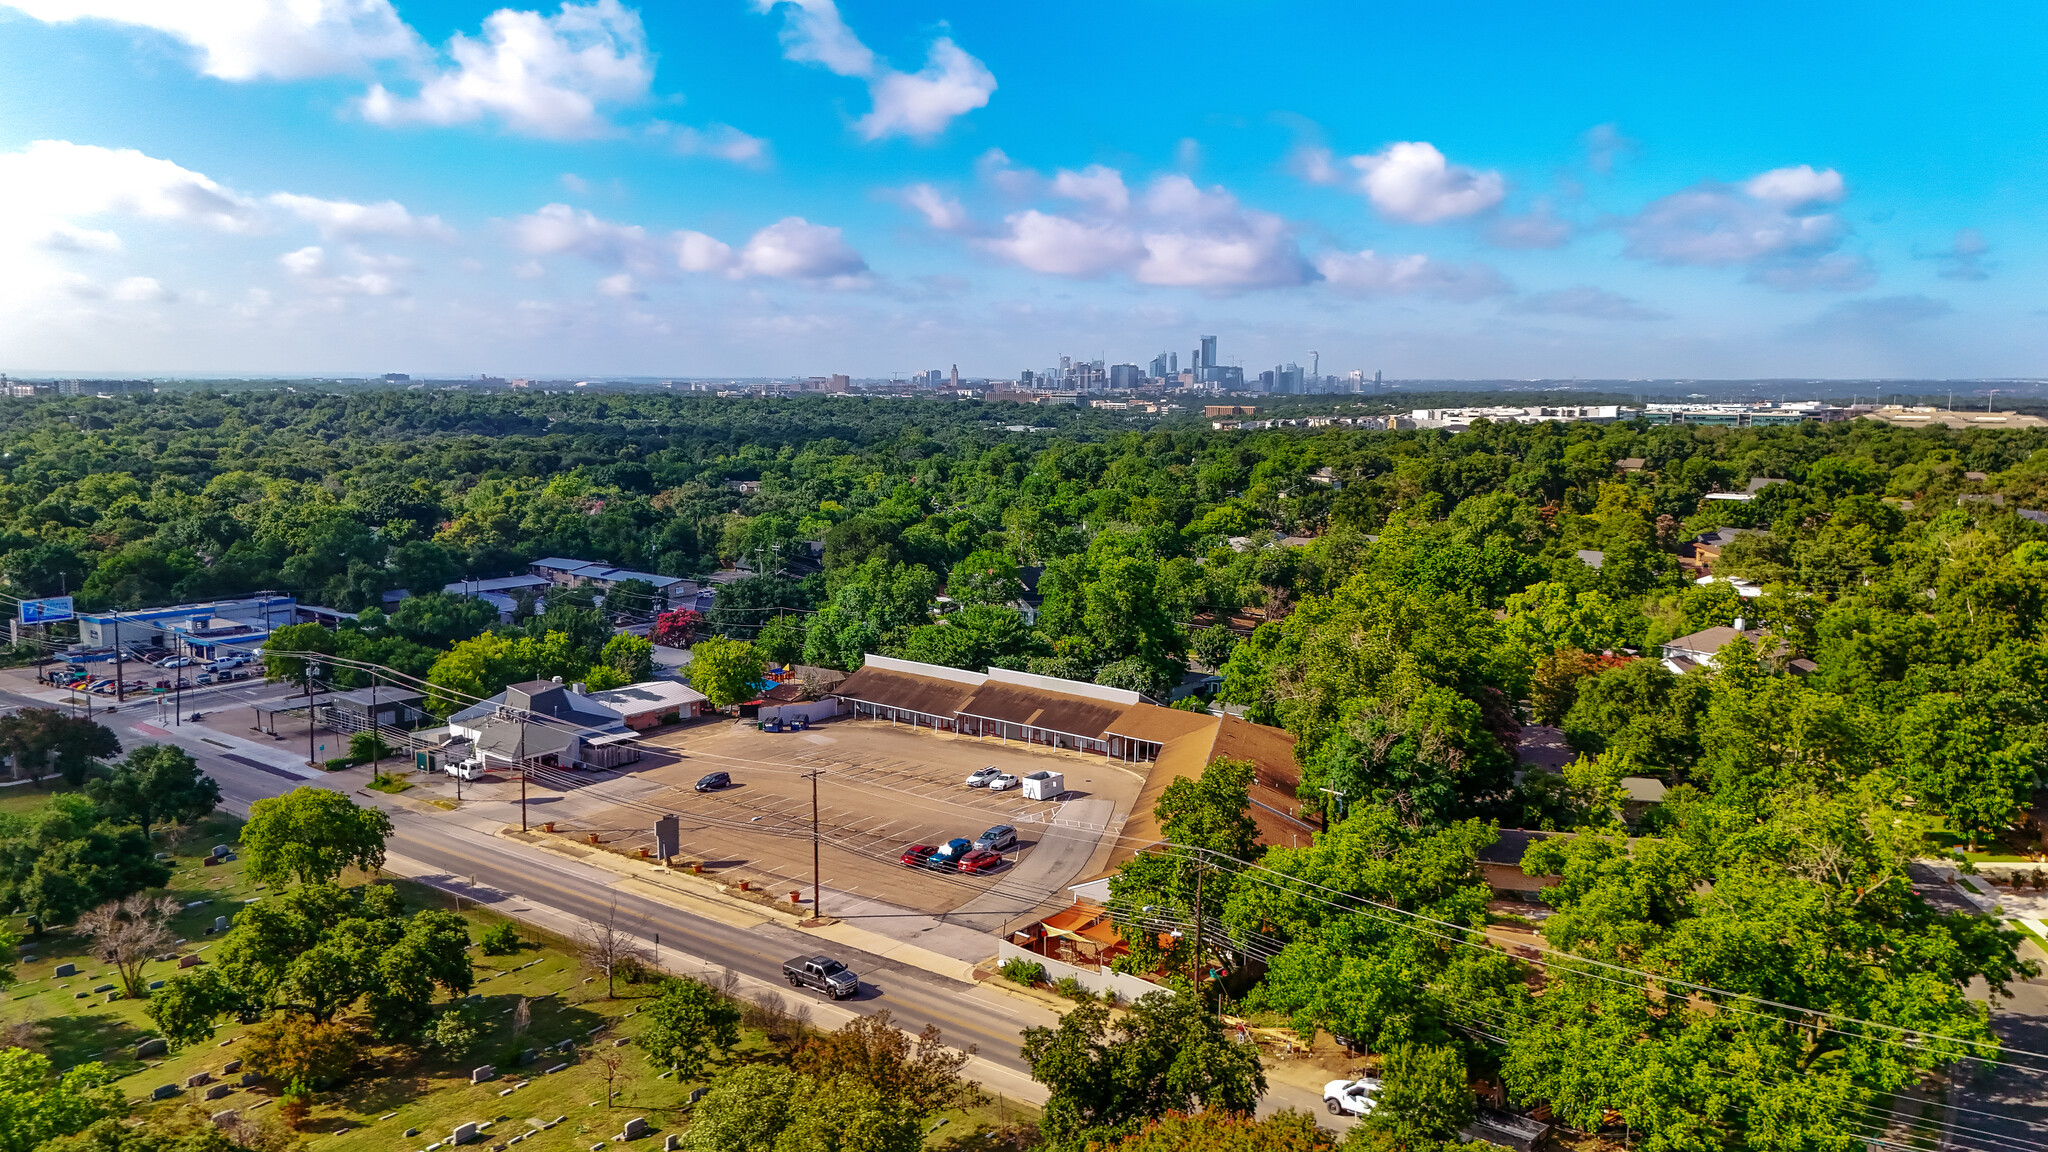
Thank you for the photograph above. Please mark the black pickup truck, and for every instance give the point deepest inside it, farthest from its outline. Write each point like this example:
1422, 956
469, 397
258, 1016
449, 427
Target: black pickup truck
823, 974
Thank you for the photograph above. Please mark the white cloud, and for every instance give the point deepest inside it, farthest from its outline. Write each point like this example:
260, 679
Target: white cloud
1095, 184
941, 211
542, 75
696, 252
1796, 187
918, 104
721, 141
922, 103
1367, 273
52, 181
793, 248
1412, 182
558, 229
789, 249
619, 287
813, 33
311, 268
1964, 259
141, 290
1061, 246
343, 218
1770, 224
258, 39
1175, 235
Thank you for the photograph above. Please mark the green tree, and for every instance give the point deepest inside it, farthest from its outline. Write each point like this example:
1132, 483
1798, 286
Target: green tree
164, 1129
310, 835
68, 859
296, 638
686, 1024
38, 1105
473, 670
439, 619
780, 639
45, 740
189, 1006
726, 671
1107, 1075
922, 1077
632, 656
1965, 764
157, 783
984, 577
1208, 826
1424, 1096
1286, 1131
458, 1029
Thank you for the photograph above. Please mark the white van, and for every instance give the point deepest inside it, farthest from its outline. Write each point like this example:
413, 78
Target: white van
1044, 786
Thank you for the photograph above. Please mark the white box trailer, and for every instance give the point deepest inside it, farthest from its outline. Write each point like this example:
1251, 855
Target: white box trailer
1044, 785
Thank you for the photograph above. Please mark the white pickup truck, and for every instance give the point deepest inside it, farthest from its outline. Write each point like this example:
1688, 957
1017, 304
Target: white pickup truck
1351, 1097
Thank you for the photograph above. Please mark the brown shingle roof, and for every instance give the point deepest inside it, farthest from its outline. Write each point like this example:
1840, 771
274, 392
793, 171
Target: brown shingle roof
1054, 711
925, 694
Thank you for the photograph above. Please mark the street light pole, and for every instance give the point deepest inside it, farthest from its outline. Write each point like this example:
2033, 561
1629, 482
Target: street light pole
311, 668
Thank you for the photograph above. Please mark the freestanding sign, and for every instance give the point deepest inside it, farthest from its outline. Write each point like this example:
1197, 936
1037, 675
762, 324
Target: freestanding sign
47, 611
668, 840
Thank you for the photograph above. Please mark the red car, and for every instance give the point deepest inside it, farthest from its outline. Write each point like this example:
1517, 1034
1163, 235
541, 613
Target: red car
981, 860
917, 854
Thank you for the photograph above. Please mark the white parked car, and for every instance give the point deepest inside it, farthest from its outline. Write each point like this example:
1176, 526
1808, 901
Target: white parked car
178, 662
1351, 1097
981, 776
1002, 783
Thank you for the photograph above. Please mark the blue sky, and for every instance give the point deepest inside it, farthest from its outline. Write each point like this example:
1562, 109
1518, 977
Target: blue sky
731, 187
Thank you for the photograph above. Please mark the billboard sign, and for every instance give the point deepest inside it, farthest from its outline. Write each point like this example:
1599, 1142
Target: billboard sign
48, 611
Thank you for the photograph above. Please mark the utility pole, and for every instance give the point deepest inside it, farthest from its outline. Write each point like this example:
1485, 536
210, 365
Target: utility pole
817, 908
120, 697
311, 668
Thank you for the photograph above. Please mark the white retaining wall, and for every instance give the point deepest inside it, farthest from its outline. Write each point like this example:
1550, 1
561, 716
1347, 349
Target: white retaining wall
1096, 980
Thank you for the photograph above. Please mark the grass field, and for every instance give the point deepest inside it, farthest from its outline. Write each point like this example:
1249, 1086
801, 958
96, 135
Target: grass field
397, 1089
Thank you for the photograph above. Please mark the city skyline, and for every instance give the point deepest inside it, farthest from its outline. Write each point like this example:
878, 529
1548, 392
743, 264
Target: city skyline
762, 188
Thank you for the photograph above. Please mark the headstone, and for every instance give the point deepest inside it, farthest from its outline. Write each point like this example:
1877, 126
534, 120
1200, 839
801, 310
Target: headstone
412, 1131
673, 1142
464, 1133
219, 1090
528, 1057
210, 861
636, 1127
155, 984
223, 1116
191, 961
164, 1092
697, 1094
619, 1043
483, 1075
231, 1067
66, 970
154, 1046
558, 1068
198, 1079
505, 1092
104, 988
220, 923
221, 849
163, 855
248, 1078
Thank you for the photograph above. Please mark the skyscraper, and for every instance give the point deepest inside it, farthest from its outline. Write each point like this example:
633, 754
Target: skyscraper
1208, 352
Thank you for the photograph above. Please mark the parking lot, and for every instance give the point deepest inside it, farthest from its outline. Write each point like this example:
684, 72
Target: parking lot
882, 789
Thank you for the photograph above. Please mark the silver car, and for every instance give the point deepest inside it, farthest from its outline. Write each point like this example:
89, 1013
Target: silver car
1000, 838
982, 776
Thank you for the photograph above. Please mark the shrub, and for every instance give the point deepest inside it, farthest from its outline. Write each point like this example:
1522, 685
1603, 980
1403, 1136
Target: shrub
458, 1029
1018, 970
339, 763
364, 747
295, 1105
1073, 989
499, 940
